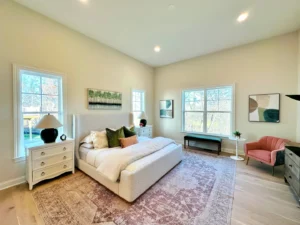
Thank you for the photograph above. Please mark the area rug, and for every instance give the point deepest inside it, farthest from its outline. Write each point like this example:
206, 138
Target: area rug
197, 191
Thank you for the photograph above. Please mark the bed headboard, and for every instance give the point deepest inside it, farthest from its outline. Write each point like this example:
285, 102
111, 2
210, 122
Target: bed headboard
84, 123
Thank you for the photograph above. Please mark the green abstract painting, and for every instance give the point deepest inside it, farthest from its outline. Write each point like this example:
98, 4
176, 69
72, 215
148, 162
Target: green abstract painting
166, 109
264, 108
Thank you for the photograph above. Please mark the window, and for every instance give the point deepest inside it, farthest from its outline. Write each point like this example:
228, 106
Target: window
138, 104
208, 110
36, 93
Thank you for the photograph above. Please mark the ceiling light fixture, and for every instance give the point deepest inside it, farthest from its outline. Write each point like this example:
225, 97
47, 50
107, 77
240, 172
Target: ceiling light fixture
84, 1
242, 17
157, 48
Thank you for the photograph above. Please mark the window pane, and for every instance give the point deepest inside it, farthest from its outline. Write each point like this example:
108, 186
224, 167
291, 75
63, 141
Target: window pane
49, 86
29, 122
194, 106
193, 121
193, 96
50, 103
225, 93
225, 105
31, 84
212, 106
212, 95
218, 123
137, 106
31, 103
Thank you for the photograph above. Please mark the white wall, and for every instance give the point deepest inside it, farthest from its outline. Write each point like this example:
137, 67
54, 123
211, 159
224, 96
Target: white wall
268, 66
30, 39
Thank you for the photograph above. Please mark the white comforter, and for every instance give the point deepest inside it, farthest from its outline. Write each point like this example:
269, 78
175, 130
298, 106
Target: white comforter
110, 163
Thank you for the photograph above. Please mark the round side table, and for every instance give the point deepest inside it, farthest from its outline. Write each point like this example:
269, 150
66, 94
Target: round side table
237, 157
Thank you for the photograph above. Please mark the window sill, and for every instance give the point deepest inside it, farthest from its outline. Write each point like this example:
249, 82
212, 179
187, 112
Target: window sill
19, 159
216, 135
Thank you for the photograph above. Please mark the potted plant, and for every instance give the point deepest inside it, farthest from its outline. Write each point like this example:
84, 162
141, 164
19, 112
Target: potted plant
237, 134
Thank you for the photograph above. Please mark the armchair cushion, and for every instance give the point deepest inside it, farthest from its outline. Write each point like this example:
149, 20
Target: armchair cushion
261, 155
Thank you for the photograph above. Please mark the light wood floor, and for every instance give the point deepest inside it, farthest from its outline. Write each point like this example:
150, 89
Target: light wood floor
259, 199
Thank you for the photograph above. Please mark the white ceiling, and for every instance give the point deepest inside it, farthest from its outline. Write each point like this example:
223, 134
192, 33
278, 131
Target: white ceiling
193, 28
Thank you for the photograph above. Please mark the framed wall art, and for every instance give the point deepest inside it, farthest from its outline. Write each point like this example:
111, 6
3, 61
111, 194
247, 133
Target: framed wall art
166, 109
100, 99
264, 108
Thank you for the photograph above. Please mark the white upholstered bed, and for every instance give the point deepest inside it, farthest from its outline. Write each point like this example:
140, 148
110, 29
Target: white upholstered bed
137, 177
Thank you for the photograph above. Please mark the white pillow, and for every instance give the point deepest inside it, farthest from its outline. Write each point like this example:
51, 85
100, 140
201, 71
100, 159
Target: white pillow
87, 140
99, 139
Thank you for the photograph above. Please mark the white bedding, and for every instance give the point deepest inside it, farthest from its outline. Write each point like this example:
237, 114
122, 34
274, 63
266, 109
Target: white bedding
110, 163
95, 157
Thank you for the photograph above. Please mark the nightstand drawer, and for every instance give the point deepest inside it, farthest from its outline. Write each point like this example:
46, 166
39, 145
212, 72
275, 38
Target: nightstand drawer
291, 166
50, 160
293, 156
36, 154
52, 171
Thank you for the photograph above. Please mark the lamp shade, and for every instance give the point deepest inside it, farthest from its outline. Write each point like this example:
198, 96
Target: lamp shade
295, 97
143, 115
48, 122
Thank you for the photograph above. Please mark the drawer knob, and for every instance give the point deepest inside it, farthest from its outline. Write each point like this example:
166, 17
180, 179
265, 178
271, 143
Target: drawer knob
291, 154
65, 166
290, 177
65, 157
43, 153
42, 163
43, 174
291, 165
64, 148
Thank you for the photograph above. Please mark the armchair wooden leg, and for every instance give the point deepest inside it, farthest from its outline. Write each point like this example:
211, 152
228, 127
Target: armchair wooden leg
273, 170
247, 160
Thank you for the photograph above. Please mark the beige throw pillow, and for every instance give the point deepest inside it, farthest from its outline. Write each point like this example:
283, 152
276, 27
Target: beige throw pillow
99, 139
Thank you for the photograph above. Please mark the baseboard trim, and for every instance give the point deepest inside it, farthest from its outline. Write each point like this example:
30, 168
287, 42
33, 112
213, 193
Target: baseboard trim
12, 182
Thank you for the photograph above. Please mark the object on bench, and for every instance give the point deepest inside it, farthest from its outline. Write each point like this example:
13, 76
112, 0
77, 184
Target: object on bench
205, 138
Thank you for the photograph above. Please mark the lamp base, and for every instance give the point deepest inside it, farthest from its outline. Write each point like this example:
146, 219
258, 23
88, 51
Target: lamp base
143, 122
49, 135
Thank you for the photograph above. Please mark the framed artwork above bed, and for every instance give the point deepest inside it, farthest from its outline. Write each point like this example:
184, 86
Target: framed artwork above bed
264, 108
166, 108
100, 99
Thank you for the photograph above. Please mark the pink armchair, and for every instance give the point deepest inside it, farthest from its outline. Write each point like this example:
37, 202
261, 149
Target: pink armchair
269, 150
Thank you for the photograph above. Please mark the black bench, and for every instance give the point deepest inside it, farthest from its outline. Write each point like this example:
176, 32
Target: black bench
205, 138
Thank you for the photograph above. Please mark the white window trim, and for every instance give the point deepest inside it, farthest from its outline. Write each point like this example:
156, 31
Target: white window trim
17, 99
209, 87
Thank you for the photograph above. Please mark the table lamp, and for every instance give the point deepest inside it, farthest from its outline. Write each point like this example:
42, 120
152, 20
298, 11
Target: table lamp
49, 124
143, 121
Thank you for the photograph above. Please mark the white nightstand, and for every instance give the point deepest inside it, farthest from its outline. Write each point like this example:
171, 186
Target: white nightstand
46, 161
144, 131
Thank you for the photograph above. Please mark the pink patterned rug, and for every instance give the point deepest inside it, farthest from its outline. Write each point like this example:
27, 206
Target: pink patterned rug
199, 190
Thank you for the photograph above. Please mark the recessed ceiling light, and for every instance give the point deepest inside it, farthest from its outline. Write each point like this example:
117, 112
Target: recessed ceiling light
157, 48
84, 1
171, 7
242, 17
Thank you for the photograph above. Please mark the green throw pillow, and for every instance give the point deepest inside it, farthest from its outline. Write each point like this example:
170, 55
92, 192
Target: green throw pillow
129, 132
113, 137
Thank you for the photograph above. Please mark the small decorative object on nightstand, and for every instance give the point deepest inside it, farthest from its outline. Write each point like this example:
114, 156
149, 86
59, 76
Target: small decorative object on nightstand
143, 121
144, 131
46, 161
